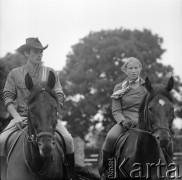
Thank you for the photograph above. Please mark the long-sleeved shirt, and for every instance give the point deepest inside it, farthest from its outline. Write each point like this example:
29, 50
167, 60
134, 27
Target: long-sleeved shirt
16, 92
127, 106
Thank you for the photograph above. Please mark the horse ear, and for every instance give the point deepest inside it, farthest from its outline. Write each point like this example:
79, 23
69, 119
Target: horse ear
170, 84
51, 80
148, 84
28, 82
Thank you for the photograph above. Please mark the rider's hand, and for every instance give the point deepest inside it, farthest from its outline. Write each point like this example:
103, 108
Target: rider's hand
126, 123
19, 120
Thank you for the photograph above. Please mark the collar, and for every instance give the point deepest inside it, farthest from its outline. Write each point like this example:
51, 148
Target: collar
139, 79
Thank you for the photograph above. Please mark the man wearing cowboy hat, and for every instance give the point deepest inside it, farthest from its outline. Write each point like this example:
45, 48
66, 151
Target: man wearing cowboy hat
15, 93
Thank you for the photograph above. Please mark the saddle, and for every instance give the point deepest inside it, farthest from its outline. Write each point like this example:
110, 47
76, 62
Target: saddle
8, 144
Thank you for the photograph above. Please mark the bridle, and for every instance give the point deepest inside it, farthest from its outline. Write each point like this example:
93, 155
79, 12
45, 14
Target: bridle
150, 130
36, 136
33, 138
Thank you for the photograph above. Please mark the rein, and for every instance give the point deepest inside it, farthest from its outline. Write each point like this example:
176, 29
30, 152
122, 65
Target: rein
149, 132
142, 131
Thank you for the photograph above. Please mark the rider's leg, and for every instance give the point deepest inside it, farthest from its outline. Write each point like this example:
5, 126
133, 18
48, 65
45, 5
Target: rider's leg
108, 145
69, 147
4, 135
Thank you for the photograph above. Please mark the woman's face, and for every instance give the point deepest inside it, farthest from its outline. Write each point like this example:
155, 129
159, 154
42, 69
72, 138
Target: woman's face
133, 70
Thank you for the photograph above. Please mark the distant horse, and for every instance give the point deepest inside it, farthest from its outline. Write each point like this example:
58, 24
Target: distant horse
5, 117
141, 152
37, 152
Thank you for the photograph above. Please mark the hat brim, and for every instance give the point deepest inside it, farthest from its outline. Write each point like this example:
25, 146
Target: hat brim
24, 47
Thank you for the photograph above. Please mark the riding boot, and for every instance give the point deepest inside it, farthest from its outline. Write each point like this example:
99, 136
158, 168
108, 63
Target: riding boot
70, 158
105, 166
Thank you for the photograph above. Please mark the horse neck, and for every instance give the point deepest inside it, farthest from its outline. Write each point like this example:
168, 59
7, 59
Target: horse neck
33, 156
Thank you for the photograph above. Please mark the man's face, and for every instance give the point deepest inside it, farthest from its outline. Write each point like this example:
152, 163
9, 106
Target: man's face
35, 55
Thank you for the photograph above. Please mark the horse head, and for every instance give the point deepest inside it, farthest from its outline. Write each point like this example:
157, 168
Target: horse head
157, 112
42, 114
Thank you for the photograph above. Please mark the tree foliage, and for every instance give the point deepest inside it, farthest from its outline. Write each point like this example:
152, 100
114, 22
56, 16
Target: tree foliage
93, 67
10, 61
7, 63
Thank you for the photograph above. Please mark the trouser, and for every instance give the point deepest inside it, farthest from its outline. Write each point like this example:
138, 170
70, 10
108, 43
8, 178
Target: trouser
107, 149
67, 137
111, 137
12, 127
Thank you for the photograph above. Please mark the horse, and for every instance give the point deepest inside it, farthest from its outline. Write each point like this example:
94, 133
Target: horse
37, 152
142, 151
5, 117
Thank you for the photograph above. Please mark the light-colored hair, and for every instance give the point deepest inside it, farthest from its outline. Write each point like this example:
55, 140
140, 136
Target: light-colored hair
130, 59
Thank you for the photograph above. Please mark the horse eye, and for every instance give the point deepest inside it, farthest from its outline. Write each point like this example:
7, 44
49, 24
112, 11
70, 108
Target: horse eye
150, 109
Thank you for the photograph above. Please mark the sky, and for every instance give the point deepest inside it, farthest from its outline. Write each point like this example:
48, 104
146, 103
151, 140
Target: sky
62, 23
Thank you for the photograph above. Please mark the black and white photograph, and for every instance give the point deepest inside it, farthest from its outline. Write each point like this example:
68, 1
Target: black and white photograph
90, 89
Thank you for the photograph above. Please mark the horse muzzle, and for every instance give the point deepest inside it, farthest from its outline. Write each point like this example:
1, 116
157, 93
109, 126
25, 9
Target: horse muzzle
163, 137
46, 144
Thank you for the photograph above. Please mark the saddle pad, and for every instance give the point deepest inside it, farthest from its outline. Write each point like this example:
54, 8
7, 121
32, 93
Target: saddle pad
11, 142
118, 148
8, 144
120, 142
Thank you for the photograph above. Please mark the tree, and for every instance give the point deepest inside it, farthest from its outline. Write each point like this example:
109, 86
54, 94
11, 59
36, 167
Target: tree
10, 61
7, 63
93, 67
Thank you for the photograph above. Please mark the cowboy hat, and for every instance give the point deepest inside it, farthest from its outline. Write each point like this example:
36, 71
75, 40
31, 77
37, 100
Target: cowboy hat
31, 43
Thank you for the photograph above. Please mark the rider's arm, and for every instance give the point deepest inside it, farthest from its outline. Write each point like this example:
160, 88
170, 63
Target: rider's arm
59, 91
9, 95
12, 110
116, 107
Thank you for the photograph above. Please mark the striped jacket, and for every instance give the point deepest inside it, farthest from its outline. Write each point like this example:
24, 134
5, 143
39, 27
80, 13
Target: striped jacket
16, 92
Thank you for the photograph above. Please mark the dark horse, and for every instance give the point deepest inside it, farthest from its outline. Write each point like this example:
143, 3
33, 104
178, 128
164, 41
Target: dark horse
143, 152
37, 152
5, 117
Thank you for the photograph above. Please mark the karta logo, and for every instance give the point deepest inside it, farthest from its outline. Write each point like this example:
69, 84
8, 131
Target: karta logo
137, 170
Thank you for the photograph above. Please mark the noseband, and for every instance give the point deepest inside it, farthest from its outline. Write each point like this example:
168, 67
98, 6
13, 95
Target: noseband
160, 128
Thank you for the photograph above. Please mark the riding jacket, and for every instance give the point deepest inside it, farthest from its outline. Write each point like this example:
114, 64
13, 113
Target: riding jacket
15, 91
127, 105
